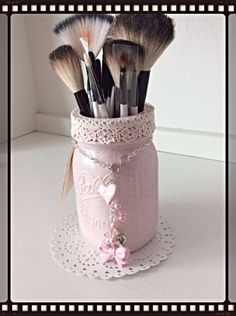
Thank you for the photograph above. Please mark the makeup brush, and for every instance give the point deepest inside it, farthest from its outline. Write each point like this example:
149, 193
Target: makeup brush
154, 32
66, 64
107, 80
121, 57
99, 107
92, 27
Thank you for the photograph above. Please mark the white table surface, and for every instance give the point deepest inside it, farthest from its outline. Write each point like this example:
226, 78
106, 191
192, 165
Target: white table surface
191, 198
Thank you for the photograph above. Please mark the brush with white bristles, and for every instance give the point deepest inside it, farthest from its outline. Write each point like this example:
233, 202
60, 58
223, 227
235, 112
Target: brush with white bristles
154, 32
122, 58
93, 28
66, 64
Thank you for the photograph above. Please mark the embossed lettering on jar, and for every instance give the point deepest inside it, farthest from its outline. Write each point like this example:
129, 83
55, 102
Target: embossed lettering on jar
108, 140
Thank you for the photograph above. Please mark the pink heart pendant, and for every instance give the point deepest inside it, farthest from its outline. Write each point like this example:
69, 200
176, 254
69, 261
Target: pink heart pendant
107, 192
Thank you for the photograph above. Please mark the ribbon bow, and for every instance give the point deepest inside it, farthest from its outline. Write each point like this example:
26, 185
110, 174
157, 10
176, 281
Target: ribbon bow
119, 253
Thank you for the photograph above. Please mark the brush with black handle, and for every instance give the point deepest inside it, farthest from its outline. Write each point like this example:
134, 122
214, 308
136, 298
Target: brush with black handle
99, 107
66, 64
154, 32
107, 80
123, 93
120, 55
93, 29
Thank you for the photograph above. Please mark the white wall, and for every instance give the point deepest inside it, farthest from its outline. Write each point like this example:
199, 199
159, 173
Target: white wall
24, 105
53, 96
186, 85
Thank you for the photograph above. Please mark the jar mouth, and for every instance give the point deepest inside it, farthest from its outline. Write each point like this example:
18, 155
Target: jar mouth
76, 113
113, 130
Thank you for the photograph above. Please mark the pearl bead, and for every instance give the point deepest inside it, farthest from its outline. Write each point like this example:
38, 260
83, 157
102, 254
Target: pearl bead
107, 241
113, 218
121, 218
113, 242
113, 225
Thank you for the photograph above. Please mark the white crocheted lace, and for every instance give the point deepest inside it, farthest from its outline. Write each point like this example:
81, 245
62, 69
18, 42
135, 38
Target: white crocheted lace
106, 131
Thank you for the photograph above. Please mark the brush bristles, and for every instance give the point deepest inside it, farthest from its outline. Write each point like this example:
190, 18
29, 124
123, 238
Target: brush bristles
122, 53
154, 32
66, 64
92, 27
114, 68
67, 31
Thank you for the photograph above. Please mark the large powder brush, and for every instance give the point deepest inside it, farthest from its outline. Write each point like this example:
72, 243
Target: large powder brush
122, 59
91, 27
66, 64
154, 32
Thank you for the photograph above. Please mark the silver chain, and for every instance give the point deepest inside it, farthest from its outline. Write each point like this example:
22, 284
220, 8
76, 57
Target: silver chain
113, 231
112, 167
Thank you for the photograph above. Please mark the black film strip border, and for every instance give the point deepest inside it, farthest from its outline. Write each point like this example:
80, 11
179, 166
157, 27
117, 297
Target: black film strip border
225, 308
119, 307
117, 8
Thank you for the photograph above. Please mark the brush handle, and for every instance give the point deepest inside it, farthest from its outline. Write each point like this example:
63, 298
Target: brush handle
143, 79
103, 110
117, 102
123, 93
124, 110
83, 102
88, 82
89, 92
133, 110
132, 94
92, 57
96, 89
97, 70
108, 106
96, 110
107, 80
112, 103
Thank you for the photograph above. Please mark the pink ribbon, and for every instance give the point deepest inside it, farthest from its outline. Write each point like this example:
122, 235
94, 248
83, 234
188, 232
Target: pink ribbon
121, 254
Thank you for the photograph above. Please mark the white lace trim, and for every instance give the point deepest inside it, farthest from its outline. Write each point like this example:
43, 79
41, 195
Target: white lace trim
106, 131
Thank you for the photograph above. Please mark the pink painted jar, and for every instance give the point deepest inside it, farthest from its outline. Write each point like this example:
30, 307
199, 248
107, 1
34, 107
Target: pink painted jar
137, 185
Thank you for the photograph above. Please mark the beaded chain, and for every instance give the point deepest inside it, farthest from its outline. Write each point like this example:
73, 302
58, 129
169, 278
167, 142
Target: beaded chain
113, 238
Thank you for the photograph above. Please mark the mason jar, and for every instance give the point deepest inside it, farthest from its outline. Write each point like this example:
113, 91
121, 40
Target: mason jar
108, 141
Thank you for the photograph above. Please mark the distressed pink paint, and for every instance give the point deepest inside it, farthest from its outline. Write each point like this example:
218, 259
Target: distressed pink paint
137, 191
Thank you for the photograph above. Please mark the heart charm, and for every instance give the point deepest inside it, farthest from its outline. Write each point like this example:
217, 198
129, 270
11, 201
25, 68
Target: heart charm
107, 192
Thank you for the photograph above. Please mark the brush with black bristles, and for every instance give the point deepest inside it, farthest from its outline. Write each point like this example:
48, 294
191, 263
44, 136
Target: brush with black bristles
67, 66
121, 57
93, 28
154, 32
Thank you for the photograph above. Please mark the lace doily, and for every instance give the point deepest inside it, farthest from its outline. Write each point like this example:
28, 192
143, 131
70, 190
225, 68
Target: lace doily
106, 131
72, 252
